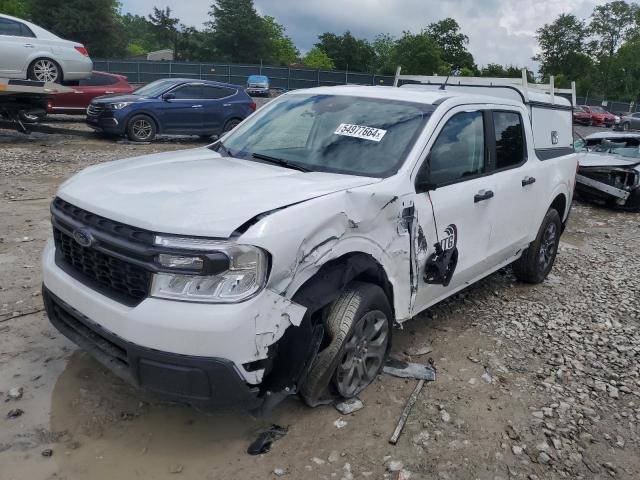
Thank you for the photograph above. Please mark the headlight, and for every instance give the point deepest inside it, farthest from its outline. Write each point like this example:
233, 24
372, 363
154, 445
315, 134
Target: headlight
118, 105
244, 276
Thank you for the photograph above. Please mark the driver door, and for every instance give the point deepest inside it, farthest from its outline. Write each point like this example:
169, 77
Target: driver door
184, 112
454, 203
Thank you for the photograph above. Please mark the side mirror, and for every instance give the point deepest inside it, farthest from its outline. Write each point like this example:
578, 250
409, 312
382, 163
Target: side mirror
168, 96
423, 182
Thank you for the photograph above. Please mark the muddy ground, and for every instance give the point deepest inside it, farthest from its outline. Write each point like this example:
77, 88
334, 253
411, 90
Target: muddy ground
533, 381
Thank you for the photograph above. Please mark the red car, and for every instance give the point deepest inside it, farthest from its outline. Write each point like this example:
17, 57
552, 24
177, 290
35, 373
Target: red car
97, 85
581, 116
600, 117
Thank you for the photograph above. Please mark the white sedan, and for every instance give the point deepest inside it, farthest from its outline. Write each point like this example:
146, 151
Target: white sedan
31, 52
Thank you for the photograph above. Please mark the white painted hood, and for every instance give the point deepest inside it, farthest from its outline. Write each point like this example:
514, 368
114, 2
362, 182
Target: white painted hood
195, 192
595, 159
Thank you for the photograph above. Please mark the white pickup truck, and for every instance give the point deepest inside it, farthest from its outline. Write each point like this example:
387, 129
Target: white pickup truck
278, 259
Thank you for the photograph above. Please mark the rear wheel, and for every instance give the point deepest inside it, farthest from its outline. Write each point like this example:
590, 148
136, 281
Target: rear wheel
44, 70
230, 125
358, 327
141, 128
537, 260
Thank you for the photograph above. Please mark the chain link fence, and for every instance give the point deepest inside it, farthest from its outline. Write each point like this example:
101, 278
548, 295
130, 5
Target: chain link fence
285, 78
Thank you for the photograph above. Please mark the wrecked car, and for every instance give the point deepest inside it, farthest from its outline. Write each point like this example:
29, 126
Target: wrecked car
609, 169
277, 260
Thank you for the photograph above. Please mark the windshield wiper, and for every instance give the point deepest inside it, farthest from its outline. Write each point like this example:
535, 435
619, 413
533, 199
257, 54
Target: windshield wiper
221, 149
280, 162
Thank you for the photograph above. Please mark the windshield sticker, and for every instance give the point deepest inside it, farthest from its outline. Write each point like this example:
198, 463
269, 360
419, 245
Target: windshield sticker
360, 131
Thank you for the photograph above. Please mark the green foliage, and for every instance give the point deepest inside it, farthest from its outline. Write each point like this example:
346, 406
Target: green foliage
452, 42
384, 49
94, 23
418, 54
316, 58
612, 23
16, 8
136, 50
346, 51
281, 48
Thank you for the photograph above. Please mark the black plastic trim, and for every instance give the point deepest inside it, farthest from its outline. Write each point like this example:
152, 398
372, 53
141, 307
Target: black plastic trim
555, 152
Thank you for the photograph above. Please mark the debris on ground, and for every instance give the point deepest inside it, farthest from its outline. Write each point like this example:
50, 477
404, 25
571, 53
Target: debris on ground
347, 407
177, 468
419, 350
405, 413
402, 369
15, 393
47, 452
340, 423
15, 413
262, 444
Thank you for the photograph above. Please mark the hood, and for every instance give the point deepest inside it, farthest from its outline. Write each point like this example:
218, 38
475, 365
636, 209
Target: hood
595, 159
117, 98
195, 192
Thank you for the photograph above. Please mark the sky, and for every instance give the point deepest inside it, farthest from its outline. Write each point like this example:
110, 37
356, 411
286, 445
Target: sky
499, 31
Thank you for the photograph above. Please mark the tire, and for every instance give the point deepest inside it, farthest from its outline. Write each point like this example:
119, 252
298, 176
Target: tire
230, 125
141, 128
537, 260
626, 126
45, 70
358, 326
590, 123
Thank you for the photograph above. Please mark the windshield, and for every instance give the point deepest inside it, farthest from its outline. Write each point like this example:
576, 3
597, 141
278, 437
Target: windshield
332, 133
625, 147
598, 110
154, 89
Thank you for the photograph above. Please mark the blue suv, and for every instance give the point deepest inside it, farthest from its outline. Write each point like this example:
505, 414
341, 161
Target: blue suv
173, 106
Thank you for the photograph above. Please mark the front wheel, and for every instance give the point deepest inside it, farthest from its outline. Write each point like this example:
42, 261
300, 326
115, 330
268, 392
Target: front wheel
537, 260
358, 327
141, 128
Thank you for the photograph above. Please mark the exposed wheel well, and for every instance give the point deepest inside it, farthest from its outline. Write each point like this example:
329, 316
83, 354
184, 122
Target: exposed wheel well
560, 205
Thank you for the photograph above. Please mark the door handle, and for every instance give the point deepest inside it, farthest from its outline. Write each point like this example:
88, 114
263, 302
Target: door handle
528, 181
482, 195
226, 105
28, 45
196, 106
108, 91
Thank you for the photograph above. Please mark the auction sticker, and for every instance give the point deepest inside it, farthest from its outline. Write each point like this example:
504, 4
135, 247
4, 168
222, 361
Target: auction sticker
360, 131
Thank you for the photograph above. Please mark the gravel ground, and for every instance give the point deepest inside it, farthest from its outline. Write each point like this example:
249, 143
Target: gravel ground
534, 382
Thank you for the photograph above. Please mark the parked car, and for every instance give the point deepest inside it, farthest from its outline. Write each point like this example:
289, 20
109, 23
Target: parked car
609, 169
31, 52
172, 106
278, 259
581, 116
97, 85
600, 117
630, 121
258, 85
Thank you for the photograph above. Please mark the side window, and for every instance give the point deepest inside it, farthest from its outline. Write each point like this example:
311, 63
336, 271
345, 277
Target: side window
212, 93
9, 27
459, 150
510, 144
188, 92
26, 31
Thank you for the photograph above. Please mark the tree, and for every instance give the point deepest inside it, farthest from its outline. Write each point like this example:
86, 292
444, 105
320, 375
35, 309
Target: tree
384, 48
612, 23
452, 42
418, 54
316, 58
346, 51
95, 23
166, 28
141, 35
281, 48
238, 33
560, 41
15, 8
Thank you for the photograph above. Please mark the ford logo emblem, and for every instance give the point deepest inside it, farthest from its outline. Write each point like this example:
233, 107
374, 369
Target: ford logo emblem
83, 237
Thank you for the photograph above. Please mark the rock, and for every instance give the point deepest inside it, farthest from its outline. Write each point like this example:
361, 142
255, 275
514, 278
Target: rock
334, 456
472, 381
347, 475
421, 438
279, 472
417, 350
177, 468
547, 412
517, 449
15, 393
444, 415
340, 423
600, 386
318, 461
403, 475
15, 413
542, 447
486, 377
544, 458
349, 406
613, 391
394, 466
47, 452
538, 414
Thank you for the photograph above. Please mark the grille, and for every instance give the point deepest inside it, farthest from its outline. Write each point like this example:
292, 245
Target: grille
119, 279
104, 224
94, 110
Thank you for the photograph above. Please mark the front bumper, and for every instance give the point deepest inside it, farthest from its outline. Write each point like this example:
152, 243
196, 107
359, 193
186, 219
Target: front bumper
105, 123
257, 91
186, 379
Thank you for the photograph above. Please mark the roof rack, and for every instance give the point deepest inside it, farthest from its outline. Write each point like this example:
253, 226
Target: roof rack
522, 85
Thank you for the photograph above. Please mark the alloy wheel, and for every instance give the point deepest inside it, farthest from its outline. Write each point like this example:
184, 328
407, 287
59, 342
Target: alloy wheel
363, 355
142, 129
45, 70
548, 246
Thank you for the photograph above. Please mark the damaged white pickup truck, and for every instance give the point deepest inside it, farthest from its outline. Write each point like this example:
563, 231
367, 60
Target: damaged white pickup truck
277, 260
